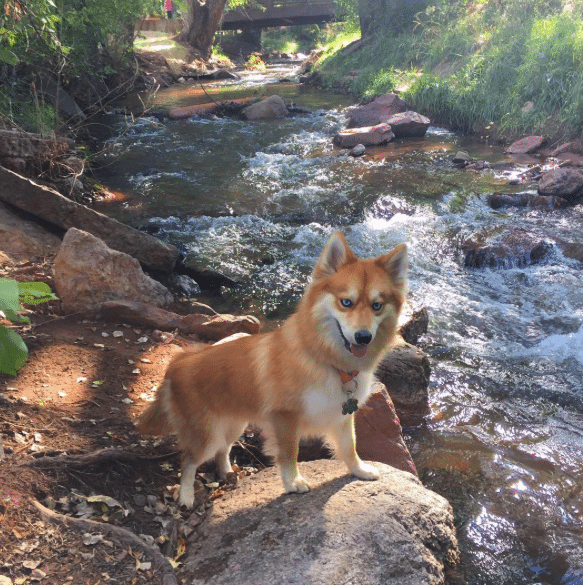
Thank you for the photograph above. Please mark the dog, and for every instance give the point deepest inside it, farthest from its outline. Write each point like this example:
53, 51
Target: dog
305, 378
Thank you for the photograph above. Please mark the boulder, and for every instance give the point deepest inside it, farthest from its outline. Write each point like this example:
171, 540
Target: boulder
391, 532
405, 371
206, 327
21, 239
408, 124
377, 112
511, 248
64, 213
413, 324
87, 273
358, 150
367, 136
379, 436
526, 145
271, 108
562, 182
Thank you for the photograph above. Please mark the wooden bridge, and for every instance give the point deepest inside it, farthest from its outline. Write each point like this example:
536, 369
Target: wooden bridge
280, 13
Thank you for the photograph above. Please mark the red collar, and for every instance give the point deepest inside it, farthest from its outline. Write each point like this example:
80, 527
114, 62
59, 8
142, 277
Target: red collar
348, 376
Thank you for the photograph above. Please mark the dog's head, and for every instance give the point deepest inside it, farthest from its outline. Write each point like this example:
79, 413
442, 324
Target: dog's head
358, 300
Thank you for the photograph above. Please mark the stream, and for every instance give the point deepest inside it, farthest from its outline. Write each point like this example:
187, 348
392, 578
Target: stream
256, 201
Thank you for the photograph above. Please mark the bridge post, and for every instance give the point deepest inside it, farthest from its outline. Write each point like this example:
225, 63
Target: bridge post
252, 35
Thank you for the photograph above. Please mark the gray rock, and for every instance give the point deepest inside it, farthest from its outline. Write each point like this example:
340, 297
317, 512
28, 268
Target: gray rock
391, 532
53, 207
358, 150
562, 182
526, 145
88, 273
405, 371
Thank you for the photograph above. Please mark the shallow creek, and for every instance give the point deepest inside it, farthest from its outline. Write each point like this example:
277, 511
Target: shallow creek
504, 438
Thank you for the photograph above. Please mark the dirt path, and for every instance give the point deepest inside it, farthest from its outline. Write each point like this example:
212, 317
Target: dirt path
66, 423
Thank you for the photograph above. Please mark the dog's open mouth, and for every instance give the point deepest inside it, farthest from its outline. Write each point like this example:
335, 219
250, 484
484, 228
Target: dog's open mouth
355, 349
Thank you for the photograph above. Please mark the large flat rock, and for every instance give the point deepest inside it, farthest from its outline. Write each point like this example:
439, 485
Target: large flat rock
53, 207
391, 532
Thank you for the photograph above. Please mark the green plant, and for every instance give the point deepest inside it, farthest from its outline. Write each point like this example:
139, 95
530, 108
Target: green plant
13, 350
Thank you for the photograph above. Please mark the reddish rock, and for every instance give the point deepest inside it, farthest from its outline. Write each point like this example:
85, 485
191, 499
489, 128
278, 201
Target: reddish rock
217, 327
526, 145
379, 435
368, 136
377, 112
88, 273
408, 124
206, 327
271, 108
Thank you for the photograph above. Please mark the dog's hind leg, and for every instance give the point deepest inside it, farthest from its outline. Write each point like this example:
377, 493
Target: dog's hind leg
188, 475
222, 461
344, 442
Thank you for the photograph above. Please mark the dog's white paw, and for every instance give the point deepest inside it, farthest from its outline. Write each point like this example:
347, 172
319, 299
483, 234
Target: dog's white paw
186, 497
298, 485
366, 471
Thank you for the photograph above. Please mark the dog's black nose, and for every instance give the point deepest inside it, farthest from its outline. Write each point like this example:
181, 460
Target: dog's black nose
363, 337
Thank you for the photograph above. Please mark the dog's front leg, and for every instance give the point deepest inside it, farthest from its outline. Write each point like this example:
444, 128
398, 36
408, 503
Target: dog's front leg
344, 441
287, 438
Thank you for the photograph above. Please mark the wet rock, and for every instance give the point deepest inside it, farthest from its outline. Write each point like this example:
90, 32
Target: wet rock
526, 145
391, 531
21, 239
88, 273
358, 150
478, 165
405, 371
408, 124
562, 182
367, 136
388, 206
309, 62
379, 436
271, 108
573, 250
575, 147
511, 248
377, 112
185, 285
47, 204
500, 200
415, 326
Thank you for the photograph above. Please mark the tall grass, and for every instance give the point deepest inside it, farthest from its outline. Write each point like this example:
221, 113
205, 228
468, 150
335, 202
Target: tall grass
475, 64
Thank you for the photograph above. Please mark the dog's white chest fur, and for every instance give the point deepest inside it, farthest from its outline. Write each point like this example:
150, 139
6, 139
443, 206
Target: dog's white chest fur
323, 403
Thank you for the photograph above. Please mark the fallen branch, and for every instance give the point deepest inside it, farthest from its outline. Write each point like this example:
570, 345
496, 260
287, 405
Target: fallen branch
95, 458
122, 535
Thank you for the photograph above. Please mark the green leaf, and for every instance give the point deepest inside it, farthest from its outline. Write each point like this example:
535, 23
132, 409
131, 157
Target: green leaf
13, 351
7, 56
34, 293
9, 301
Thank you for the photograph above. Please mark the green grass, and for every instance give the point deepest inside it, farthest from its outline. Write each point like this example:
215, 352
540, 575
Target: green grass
475, 64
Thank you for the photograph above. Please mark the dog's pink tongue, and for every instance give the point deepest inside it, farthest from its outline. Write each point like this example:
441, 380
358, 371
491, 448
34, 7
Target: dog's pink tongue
358, 350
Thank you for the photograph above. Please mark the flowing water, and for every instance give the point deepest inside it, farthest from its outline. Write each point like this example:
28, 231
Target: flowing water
503, 441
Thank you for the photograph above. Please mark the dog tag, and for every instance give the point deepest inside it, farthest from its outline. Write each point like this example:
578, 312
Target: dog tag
350, 406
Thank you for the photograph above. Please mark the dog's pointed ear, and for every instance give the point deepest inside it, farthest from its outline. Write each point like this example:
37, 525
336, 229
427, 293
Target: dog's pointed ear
335, 254
396, 264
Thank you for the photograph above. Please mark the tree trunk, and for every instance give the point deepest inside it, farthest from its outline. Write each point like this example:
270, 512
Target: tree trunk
201, 24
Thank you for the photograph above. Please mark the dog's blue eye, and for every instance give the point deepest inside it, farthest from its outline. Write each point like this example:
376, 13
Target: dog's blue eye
376, 306
346, 302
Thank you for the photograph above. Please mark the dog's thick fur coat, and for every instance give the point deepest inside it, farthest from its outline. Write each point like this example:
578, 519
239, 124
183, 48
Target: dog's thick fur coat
288, 381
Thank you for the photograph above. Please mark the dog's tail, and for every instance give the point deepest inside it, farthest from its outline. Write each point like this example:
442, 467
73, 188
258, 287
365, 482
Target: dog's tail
156, 419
